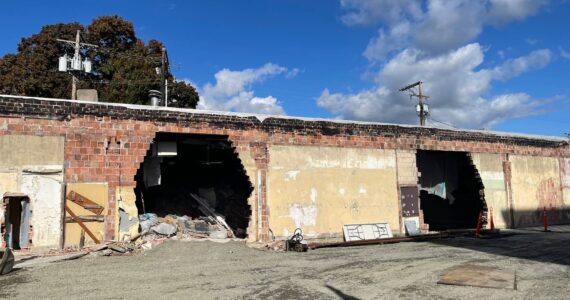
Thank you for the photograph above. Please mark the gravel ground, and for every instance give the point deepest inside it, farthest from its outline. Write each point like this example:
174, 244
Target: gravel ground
208, 270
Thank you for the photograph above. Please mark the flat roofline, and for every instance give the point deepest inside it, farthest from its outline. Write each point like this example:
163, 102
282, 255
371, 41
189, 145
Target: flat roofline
262, 117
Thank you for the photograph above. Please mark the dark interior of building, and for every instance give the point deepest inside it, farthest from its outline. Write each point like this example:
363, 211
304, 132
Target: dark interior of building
179, 165
451, 191
17, 218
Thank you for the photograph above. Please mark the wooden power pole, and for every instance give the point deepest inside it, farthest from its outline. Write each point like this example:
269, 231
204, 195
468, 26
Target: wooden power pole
76, 61
421, 107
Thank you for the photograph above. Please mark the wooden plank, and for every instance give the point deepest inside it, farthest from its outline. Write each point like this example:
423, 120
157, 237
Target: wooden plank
85, 202
207, 210
86, 219
478, 276
78, 221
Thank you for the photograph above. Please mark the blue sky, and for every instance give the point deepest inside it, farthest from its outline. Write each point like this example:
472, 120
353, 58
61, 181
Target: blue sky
496, 64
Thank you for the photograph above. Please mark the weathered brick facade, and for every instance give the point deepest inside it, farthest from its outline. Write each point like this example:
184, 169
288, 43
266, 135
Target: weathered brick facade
107, 142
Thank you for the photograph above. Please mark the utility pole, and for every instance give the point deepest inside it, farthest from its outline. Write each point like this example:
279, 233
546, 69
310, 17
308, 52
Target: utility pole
75, 56
77, 64
421, 107
163, 75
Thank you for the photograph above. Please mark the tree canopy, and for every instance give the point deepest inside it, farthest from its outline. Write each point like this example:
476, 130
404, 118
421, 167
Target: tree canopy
124, 67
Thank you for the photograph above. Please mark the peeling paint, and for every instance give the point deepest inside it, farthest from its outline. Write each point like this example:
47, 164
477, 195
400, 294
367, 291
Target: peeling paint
369, 163
128, 212
292, 175
45, 192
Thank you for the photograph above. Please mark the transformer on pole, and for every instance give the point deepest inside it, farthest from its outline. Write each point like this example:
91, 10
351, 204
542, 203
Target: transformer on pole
421, 108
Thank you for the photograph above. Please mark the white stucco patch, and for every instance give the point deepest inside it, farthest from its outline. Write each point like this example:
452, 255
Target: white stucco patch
490, 175
305, 215
291, 175
45, 193
353, 161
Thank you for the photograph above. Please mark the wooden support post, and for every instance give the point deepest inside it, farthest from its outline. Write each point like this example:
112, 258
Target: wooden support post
78, 221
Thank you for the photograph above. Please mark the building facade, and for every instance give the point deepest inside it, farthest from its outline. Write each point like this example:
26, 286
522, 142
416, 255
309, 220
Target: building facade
268, 175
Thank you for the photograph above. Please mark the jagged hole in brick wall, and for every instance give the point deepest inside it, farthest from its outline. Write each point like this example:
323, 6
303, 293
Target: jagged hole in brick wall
451, 191
193, 175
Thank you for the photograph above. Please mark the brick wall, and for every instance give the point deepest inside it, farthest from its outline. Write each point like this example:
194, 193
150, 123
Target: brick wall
107, 142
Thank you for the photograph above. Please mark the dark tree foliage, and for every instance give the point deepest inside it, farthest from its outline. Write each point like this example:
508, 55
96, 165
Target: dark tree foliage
124, 67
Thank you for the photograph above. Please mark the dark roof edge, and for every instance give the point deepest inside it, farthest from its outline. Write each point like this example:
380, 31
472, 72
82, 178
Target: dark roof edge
270, 119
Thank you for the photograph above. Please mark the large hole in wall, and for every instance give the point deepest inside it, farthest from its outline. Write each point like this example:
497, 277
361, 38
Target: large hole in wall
451, 191
179, 167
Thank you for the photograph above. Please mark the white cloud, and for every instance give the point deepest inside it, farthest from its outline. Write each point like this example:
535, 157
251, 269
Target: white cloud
432, 41
434, 26
233, 90
292, 73
564, 53
514, 67
456, 84
370, 12
386, 43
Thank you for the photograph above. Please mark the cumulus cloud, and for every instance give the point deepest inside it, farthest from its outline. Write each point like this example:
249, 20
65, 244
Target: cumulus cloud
514, 67
432, 41
457, 88
435, 27
232, 90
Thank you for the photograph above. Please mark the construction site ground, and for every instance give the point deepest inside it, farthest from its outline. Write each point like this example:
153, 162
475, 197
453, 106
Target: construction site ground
209, 270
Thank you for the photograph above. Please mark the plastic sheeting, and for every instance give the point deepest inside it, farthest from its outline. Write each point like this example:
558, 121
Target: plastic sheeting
439, 174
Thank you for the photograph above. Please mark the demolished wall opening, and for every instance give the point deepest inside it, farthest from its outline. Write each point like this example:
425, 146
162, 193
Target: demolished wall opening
451, 191
195, 179
16, 230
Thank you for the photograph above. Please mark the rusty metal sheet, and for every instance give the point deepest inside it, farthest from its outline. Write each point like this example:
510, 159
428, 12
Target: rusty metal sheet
479, 276
410, 202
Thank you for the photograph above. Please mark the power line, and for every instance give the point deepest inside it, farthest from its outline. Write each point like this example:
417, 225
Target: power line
447, 124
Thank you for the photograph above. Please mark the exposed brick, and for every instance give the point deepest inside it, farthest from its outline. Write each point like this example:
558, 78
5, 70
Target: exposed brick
107, 143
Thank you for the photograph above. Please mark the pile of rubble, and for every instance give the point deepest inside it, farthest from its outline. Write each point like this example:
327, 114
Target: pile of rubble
155, 230
153, 227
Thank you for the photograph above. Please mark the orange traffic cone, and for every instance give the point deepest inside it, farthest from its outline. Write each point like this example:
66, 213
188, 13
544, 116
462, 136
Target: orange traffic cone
478, 229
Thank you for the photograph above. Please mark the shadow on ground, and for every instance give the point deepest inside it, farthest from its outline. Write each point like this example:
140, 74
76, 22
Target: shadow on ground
530, 244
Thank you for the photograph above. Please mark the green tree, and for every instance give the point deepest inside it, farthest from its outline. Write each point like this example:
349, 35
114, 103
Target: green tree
125, 68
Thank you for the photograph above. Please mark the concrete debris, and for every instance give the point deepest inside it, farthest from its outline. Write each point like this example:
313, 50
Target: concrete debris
219, 234
167, 229
155, 230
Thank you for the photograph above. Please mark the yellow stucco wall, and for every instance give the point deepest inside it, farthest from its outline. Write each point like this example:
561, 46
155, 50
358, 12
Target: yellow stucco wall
96, 192
490, 167
253, 230
19, 150
322, 188
535, 184
565, 175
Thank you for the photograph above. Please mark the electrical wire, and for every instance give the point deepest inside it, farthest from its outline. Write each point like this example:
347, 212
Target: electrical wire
443, 123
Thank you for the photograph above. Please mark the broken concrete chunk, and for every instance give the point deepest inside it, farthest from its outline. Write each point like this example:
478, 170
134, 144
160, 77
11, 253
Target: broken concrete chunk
164, 229
219, 234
